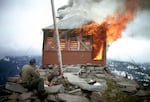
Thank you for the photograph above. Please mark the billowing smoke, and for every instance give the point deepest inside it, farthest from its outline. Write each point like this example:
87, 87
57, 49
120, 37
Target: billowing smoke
135, 42
140, 27
134, 45
96, 10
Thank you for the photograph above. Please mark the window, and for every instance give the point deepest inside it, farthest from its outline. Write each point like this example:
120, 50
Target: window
69, 42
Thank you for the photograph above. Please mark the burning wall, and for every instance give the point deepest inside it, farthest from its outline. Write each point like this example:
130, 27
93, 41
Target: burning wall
105, 31
111, 26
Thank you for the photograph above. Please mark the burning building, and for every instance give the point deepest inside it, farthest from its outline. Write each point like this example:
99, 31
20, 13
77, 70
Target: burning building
78, 46
83, 40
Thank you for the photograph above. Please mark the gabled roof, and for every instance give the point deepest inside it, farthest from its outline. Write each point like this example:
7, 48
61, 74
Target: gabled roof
72, 22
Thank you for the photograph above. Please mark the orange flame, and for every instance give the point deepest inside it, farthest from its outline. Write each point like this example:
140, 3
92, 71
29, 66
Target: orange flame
116, 25
108, 31
99, 37
100, 53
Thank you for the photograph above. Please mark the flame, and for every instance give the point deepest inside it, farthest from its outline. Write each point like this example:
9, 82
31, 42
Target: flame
116, 24
109, 30
98, 31
100, 53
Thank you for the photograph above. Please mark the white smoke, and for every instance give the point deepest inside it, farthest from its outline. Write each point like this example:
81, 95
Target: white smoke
135, 42
134, 45
96, 10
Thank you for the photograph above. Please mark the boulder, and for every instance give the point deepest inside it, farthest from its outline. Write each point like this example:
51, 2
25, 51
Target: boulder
55, 89
72, 98
25, 96
14, 96
96, 97
75, 80
15, 87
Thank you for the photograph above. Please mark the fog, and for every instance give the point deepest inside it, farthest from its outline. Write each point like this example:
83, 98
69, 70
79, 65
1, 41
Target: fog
21, 23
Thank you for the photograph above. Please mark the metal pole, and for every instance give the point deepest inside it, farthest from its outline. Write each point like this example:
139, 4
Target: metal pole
57, 38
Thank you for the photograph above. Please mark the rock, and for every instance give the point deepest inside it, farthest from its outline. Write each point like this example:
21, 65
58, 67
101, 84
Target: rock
37, 100
125, 83
25, 101
15, 87
55, 89
98, 72
96, 97
143, 93
100, 75
13, 79
129, 89
91, 81
14, 96
42, 73
74, 70
25, 96
51, 98
75, 80
76, 92
72, 98
99, 68
129, 86
11, 101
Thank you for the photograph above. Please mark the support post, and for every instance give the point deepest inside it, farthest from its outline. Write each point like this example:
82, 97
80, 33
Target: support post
57, 38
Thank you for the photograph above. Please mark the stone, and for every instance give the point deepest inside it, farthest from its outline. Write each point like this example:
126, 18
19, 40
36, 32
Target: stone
13, 79
99, 72
11, 101
72, 98
75, 80
74, 70
129, 89
100, 75
125, 83
143, 93
51, 98
96, 97
37, 100
14, 96
99, 68
15, 87
25, 96
24, 101
76, 92
55, 89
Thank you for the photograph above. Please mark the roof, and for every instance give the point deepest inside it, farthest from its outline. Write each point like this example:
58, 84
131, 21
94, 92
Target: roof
72, 22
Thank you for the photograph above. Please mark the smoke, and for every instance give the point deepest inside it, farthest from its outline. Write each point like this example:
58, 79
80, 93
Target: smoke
135, 38
140, 27
21, 23
96, 10
135, 42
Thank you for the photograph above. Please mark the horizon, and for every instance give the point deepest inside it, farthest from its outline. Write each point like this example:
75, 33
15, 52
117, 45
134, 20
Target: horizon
107, 60
22, 22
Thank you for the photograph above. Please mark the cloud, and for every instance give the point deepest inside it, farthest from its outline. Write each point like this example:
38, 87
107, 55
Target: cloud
130, 49
21, 24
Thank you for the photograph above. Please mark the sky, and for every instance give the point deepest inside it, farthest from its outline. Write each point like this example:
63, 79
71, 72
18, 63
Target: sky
21, 23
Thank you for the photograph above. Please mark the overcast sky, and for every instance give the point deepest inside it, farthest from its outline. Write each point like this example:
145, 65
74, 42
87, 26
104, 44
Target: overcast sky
21, 23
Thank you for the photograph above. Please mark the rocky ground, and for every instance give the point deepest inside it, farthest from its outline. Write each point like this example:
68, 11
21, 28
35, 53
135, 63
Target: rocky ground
78, 83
